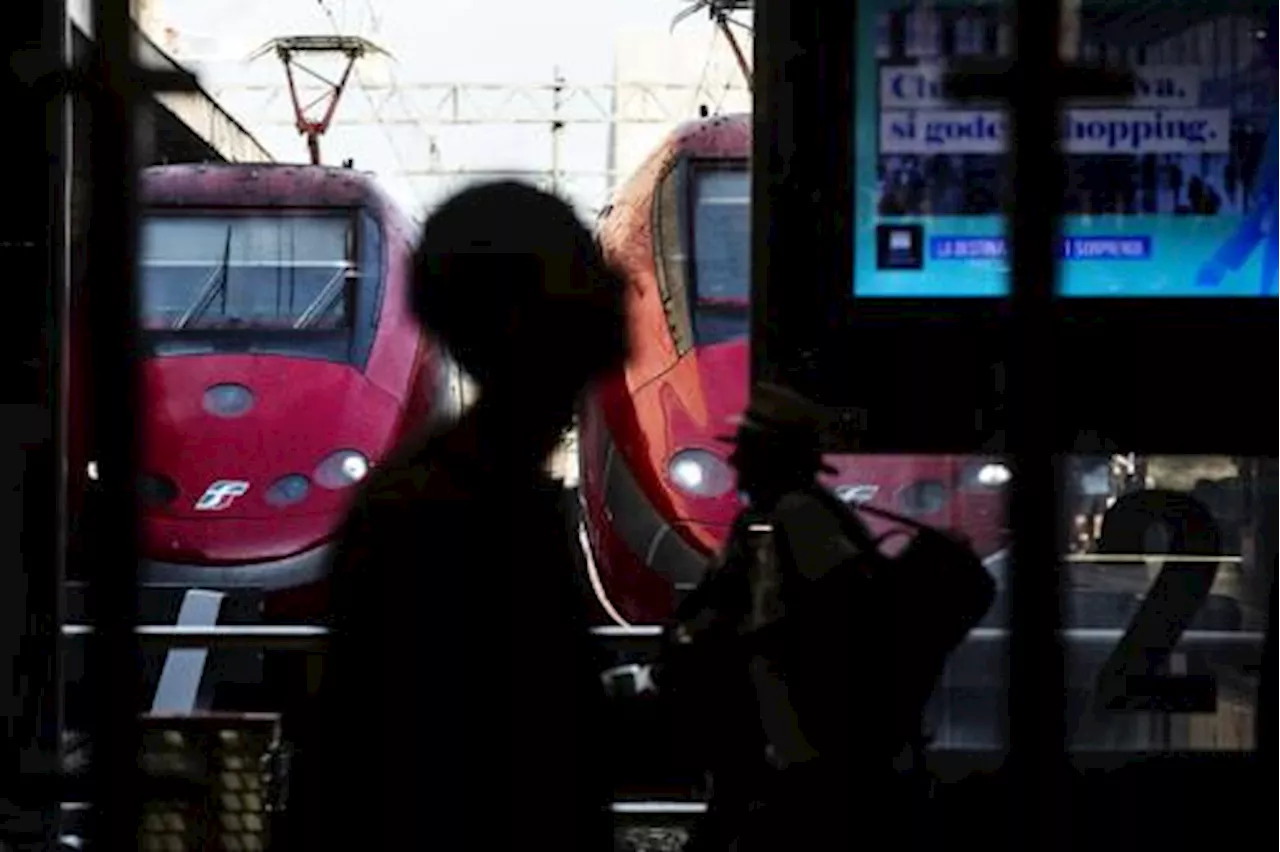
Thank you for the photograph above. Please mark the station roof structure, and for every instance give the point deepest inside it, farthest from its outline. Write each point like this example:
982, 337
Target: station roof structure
189, 126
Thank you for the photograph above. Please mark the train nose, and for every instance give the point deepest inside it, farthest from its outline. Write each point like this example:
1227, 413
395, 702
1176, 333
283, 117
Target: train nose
233, 542
259, 437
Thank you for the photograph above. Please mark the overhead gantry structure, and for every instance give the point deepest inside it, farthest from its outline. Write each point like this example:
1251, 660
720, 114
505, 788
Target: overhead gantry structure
721, 12
288, 49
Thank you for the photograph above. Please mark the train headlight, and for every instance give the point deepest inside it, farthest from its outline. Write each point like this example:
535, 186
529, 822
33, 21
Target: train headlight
700, 473
994, 475
287, 490
341, 469
984, 475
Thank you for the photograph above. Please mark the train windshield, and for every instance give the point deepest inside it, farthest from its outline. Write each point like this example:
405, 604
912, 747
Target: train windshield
721, 255
261, 272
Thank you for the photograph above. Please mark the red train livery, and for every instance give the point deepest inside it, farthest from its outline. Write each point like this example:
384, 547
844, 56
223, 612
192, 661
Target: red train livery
656, 493
280, 361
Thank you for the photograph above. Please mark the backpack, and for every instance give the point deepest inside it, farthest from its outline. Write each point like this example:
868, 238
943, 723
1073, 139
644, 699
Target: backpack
802, 593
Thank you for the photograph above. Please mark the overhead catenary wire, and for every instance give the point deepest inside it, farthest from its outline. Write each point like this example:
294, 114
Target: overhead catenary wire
396, 91
374, 18
377, 112
698, 90
526, 100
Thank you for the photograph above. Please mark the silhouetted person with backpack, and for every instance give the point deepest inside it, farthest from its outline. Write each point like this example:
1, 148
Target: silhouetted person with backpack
461, 699
807, 654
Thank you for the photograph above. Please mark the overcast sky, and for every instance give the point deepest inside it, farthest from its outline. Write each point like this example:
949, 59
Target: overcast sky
512, 41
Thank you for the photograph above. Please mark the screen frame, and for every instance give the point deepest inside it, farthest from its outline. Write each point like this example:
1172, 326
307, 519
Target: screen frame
802, 198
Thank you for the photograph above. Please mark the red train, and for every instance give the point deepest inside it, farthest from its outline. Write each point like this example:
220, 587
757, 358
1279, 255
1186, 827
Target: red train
280, 361
656, 494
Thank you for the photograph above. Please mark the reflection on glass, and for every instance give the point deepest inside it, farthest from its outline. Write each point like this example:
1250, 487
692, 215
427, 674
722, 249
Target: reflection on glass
967, 495
1167, 570
1168, 573
1170, 192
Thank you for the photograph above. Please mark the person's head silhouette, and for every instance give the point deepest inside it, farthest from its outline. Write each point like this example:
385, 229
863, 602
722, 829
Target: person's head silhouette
777, 446
514, 285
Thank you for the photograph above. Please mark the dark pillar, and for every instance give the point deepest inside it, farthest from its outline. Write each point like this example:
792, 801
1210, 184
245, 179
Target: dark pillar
33, 256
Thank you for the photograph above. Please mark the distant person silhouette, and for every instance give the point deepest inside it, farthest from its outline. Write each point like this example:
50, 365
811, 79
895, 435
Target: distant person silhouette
1202, 199
461, 699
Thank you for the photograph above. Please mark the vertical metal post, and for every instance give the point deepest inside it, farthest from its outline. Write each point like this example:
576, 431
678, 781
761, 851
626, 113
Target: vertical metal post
611, 139
59, 133
29, 248
557, 130
800, 184
113, 659
1036, 723
772, 116
1263, 587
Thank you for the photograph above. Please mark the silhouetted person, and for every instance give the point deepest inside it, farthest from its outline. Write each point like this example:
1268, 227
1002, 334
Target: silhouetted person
779, 661
1202, 200
461, 702
813, 654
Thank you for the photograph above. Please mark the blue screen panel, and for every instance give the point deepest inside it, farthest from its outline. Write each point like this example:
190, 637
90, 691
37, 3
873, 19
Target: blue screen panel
1171, 192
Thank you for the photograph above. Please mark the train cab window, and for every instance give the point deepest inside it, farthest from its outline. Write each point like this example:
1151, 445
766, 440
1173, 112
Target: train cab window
248, 281
721, 254
669, 248
215, 272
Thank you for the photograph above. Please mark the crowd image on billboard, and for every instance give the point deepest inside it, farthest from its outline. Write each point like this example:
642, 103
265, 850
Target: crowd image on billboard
976, 185
1191, 141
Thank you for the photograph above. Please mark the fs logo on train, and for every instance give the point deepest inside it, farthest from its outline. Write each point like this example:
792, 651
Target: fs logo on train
857, 493
221, 494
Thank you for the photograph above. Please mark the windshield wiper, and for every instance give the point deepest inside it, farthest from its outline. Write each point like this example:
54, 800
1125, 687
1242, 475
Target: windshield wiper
212, 285
321, 304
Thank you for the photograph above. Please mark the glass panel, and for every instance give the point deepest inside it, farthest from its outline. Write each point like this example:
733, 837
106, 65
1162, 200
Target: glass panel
722, 254
1168, 569
914, 165
1170, 193
1169, 565
267, 272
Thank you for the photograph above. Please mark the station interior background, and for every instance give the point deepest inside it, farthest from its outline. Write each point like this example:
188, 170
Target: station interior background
571, 95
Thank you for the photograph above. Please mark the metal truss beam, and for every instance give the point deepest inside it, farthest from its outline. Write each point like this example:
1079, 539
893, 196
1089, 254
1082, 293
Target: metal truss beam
538, 104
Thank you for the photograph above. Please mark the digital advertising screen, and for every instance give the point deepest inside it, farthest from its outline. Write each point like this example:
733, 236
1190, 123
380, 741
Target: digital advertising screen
1170, 192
